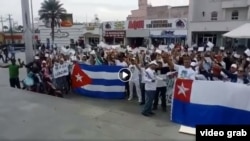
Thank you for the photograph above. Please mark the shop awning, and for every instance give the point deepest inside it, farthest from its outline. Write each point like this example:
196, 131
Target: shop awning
239, 32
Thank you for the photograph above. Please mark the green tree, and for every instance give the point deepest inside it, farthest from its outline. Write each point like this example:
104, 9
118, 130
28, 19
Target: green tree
5, 28
50, 11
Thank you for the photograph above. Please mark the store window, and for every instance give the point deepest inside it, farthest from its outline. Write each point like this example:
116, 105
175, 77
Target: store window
93, 40
72, 41
214, 16
235, 15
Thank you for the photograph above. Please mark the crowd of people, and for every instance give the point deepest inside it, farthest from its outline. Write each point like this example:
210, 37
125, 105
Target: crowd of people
153, 70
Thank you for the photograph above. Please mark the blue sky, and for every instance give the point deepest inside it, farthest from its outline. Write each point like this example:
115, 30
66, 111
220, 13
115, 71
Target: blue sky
84, 10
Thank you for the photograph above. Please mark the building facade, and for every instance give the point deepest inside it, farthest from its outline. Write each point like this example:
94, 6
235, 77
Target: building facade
16, 37
147, 11
63, 36
87, 33
167, 31
210, 19
156, 31
92, 33
114, 32
136, 33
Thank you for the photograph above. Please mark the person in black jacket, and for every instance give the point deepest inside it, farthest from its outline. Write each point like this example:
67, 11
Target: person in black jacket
6, 52
161, 89
35, 67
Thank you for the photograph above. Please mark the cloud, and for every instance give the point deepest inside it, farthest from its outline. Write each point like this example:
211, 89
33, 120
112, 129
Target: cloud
111, 4
105, 9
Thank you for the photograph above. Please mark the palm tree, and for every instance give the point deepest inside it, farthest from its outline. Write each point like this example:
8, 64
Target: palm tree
19, 28
5, 28
51, 10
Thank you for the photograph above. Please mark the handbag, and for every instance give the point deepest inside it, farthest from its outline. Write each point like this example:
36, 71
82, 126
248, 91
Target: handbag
28, 81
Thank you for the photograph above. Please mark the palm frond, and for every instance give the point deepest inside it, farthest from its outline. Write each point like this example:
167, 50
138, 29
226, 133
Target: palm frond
51, 9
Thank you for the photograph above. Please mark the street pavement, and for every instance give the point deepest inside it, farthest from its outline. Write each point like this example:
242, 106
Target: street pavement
31, 116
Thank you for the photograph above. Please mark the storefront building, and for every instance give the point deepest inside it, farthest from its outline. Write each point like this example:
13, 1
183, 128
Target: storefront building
92, 33
208, 21
167, 31
114, 32
136, 33
63, 36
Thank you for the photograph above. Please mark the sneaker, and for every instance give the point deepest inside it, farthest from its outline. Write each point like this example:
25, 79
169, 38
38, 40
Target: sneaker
151, 113
142, 103
145, 114
164, 109
129, 99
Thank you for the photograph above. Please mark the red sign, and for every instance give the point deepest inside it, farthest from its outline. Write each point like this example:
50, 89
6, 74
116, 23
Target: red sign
136, 25
118, 34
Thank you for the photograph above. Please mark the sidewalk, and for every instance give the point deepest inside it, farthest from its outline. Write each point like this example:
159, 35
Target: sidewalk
29, 116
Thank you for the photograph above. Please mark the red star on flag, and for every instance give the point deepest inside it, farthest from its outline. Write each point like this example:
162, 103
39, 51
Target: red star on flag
182, 90
79, 78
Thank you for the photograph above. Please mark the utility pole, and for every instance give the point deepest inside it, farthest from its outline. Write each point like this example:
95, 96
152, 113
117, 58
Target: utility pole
11, 28
33, 28
2, 21
29, 52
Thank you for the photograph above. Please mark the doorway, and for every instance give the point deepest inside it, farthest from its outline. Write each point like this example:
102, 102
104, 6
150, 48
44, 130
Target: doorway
209, 38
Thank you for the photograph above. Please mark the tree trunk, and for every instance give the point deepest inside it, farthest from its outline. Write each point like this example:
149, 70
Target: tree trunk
52, 29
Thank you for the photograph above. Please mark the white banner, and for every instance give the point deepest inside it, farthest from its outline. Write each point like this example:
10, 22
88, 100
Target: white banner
60, 70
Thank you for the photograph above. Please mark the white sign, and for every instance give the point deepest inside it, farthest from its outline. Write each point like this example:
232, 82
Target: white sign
60, 70
115, 25
175, 23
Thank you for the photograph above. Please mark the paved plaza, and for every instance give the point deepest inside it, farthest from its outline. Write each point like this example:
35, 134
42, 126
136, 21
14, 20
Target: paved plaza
30, 116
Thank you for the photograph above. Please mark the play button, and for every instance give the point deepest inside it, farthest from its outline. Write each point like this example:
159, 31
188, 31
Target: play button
124, 75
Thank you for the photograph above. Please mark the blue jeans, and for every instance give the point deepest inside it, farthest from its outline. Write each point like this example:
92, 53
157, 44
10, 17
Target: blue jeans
149, 102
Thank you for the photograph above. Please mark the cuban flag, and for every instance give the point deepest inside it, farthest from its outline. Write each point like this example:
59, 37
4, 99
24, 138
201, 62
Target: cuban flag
97, 81
210, 102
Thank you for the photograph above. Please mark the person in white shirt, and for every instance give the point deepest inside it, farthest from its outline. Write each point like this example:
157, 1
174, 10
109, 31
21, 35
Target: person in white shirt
150, 88
120, 61
161, 89
184, 71
195, 67
134, 81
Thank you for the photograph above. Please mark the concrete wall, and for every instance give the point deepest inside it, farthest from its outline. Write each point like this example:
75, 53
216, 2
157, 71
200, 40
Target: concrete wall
137, 33
215, 26
206, 6
138, 14
224, 8
243, 12
74, 33
159, 12
201, 22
